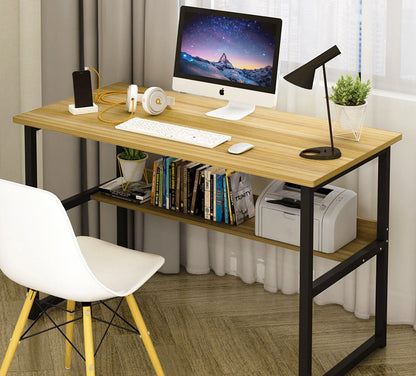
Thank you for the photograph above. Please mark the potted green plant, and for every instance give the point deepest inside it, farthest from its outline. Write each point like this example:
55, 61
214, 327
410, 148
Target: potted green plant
132, 165
349, 97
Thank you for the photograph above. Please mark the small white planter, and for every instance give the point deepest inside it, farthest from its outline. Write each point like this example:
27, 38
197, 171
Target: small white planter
131, 170
351, 118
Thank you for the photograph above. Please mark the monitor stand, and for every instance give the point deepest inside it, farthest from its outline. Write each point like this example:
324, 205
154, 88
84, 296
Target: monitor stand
232, 111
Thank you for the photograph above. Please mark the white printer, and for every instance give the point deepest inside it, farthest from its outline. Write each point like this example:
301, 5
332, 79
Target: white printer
335, 215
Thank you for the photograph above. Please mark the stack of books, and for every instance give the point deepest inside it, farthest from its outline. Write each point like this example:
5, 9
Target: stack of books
137, 192
203, 190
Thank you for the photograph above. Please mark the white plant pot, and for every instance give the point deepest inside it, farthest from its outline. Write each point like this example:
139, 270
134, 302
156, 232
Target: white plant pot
350, 117
132, 170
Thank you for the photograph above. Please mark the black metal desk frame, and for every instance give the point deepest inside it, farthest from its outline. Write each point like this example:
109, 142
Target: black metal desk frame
309, 288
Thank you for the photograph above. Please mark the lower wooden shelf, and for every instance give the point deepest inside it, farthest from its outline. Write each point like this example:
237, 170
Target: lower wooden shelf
366, 229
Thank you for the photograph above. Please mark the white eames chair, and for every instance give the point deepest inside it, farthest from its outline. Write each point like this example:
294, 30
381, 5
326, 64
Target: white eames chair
39, 250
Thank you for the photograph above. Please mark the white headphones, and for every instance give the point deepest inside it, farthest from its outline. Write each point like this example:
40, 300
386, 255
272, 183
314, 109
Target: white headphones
154, 100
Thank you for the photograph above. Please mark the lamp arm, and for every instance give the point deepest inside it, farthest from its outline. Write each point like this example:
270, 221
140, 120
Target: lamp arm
327, 106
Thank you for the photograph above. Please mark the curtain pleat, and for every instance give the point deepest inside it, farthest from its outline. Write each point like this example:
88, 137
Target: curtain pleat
60, 53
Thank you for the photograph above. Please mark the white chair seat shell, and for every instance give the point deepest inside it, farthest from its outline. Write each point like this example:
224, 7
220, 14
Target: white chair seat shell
119, 269
39, 250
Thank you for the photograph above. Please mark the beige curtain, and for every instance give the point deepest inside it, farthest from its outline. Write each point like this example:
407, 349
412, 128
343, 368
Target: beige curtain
115, 43
20, 67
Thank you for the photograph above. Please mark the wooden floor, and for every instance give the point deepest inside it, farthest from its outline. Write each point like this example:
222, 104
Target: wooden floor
209, 326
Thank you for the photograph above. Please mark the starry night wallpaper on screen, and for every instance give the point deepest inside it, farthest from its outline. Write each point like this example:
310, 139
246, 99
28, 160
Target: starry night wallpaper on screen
227, 48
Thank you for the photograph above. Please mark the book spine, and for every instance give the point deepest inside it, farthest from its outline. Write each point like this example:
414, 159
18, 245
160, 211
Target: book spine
191, 178
201, 200
164, 183
211, 197
185, 189
129, 199
199, 195
153, 192
214, 197
167, 183
178, 187
207, 195
225, 198
230, 201
219, 199
124, 195
181, 188
156, 202
172, 186
168, 187
161, 185
195, 190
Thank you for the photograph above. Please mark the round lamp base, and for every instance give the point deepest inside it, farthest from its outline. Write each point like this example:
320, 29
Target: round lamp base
322, 152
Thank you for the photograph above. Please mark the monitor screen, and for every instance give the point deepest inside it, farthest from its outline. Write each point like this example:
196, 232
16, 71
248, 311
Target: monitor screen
228, 49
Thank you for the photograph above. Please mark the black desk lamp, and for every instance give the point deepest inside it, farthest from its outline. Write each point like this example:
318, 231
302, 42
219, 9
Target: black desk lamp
303, 77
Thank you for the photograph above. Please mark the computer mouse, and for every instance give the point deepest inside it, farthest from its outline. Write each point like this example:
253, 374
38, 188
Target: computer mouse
240, 148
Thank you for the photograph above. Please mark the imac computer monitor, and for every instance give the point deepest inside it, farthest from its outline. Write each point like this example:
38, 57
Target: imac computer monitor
230, 56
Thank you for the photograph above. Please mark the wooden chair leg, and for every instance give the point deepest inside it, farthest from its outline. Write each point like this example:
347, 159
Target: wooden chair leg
138, 319
88, 342
70, 306
17, 333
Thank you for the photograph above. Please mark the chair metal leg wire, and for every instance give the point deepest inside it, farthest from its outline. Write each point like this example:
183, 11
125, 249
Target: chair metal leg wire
17, 333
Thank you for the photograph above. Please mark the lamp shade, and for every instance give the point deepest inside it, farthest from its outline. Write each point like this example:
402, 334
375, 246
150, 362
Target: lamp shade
303, 76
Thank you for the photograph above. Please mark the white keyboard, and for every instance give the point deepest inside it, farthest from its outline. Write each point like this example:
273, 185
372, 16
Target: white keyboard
173, 132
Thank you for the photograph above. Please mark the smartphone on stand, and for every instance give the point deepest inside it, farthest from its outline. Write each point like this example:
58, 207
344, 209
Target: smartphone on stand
82, 88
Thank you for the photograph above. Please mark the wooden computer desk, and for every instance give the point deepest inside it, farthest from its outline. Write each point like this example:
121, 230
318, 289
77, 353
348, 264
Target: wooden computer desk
278, 138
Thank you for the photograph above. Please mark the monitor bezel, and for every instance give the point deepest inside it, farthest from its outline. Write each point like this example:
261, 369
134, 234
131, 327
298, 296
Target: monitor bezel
178, 74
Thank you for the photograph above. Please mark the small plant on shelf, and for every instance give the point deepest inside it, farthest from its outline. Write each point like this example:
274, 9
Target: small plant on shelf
132, 166
348, 92
130, 154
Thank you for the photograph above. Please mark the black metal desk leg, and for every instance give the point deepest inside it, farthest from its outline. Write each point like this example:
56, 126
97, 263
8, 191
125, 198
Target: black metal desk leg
382, 257
306, 280
122, 221
31, 170
31, 178
122, 227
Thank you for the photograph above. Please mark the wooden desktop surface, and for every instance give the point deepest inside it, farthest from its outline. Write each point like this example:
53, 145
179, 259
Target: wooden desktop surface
278, 137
